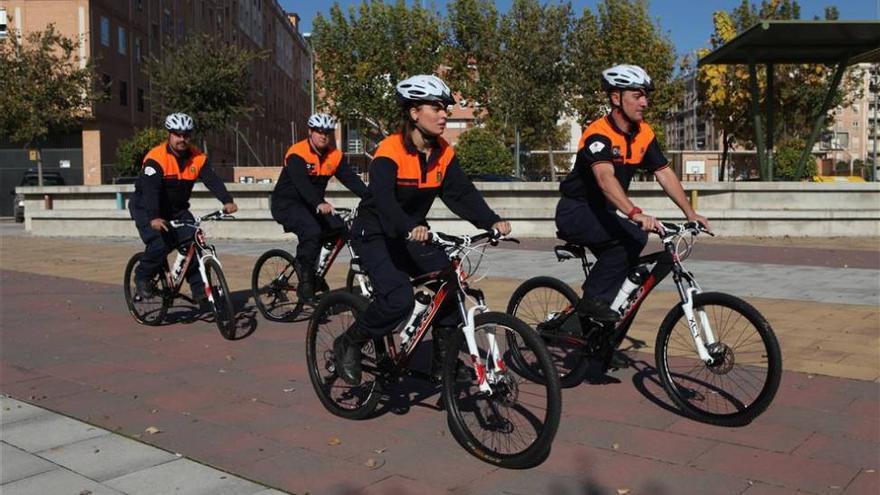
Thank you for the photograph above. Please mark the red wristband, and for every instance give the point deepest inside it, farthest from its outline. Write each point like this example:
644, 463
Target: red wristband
635, 211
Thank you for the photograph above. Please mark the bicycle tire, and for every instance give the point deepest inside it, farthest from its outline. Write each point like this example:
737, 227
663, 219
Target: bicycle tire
539, 300
224, 311
468, 418
151, 311
276, 298
695, 395
333, 315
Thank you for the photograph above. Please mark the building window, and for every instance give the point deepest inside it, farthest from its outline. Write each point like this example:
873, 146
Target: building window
105, 31
167, 23
137, 50
139, 4
3, 21
107, 84
122, 45
140, 99
123, 93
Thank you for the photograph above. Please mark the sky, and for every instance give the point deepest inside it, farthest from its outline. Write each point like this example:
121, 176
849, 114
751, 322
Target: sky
687, 22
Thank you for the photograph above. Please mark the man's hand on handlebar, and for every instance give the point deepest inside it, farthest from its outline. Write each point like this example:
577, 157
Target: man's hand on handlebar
503, 227
159, 224
419, 233
230, 208
700, 219
648, 223
325, 208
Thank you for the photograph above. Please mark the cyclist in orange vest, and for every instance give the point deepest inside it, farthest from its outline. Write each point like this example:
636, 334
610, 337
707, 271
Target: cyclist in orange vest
298, 202
409, 169
161, 193
611, 150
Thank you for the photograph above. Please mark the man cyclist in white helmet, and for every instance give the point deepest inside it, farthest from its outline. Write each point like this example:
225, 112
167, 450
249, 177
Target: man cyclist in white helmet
162, 191
611, 149
410, 168
298, 202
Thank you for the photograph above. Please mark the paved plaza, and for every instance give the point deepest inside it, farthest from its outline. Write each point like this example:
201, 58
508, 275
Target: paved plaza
95, 403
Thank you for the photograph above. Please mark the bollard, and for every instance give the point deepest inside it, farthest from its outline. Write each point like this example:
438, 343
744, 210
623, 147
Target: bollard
694, 196
47, 202
120, 202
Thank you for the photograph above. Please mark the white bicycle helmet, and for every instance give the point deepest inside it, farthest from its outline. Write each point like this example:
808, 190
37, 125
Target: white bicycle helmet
179, 122
626, 77
322, 121
423, 88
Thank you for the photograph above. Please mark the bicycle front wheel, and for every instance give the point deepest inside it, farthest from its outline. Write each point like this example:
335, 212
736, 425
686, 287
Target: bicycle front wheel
150, 310
746, 365
335, 314
224, 312
273, 283
514, 425
546, 304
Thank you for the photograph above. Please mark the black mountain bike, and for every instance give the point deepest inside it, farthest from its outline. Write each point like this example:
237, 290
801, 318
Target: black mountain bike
274, 279
503, 404
167, 283
717, 356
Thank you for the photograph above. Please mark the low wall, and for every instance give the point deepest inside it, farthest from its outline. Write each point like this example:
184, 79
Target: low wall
735, 209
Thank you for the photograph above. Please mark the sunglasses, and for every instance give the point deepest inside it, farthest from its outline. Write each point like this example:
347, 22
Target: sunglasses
184, 135
325, 132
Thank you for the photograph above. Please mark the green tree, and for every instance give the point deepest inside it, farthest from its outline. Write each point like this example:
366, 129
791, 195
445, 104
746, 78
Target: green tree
473, 50
205, 77
130, 152
45, 90
529, 88
480, 151
621, 33
787, 156
362, 56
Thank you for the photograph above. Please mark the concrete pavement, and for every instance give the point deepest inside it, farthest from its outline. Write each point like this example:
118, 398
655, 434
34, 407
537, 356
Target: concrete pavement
246, 407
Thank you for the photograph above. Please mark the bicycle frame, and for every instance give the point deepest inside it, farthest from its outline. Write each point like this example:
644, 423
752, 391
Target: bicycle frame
198, 249
665, 262
452, 280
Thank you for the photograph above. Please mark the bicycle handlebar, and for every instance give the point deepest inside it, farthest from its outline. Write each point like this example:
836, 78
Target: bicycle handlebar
216, 215
674, 229
442, 239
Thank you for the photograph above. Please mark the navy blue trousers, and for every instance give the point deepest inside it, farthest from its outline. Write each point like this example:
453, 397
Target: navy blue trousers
160, 243
311, 230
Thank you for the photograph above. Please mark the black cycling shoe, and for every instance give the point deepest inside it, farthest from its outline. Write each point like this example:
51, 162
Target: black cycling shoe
198, 295
347, 350
144, 288
306, 287
440, 342
597, 310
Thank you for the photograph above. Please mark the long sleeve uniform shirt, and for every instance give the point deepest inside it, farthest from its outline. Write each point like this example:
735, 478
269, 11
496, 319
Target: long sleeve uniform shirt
306, 173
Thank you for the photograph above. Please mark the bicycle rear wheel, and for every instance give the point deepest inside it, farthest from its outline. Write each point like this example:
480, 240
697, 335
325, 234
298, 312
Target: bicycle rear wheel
514, 426
334, 314
273, 283
148, 311
545, 304
744, 377
224, 311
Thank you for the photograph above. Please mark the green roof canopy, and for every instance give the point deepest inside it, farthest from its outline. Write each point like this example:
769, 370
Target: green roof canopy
801, 42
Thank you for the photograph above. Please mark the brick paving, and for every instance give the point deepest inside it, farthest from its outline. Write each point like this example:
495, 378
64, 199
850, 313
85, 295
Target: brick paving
246, 407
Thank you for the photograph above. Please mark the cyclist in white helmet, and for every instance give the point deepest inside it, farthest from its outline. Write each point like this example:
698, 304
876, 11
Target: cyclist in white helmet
168, 173
298, 202
611, 149
409, 170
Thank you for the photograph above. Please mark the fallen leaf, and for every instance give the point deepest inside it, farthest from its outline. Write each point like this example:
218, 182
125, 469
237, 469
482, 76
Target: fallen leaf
869, 470
85, 492
154, 411
334, 441
615, 446
230, 357
152, 430
222, 371
379, 451
374, 463
622, 491
96, 451
288, 390
254, 399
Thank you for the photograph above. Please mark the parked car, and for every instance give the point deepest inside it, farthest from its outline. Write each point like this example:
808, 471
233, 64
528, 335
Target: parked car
30, 178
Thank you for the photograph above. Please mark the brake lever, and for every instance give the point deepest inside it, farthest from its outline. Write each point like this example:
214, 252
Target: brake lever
510, 239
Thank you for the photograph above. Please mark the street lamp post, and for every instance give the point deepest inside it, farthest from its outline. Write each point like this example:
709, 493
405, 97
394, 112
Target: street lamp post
874, 88
308, 38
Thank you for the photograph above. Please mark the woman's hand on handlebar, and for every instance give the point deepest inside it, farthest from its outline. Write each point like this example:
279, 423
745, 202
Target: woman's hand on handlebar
419, 233
503, 227
159, 224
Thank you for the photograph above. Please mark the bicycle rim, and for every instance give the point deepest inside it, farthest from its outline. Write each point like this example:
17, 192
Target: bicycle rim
274, 282
747, 367
515, 425
148, 311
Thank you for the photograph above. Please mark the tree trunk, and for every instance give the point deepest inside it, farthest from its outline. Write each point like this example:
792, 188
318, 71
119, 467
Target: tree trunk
724, 151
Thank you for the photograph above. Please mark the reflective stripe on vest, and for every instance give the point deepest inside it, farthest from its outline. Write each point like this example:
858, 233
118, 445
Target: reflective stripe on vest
409, 170
170, 168
315, 165
632, 155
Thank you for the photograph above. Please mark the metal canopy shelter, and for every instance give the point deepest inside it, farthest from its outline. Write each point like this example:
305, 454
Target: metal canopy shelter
839, 43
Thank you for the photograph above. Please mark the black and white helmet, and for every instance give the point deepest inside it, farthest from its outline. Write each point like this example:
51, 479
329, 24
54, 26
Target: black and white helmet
626, 77
423, 88
322, 121
179, 122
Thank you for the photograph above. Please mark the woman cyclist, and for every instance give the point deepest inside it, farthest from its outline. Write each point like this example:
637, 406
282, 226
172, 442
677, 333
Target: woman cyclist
409, 169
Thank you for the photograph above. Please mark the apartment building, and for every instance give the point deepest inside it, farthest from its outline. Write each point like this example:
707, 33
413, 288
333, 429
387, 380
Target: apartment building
119, 34
850, 139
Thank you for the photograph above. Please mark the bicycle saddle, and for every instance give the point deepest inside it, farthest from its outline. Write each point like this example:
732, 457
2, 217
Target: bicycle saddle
569, 251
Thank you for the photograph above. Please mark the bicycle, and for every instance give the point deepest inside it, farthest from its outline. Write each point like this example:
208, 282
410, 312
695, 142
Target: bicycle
717, 356
167, 283
274, 278
502, 407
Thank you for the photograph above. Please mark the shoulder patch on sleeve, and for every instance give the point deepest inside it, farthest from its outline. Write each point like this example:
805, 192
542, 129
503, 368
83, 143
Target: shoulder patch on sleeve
597, 146
149, 170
